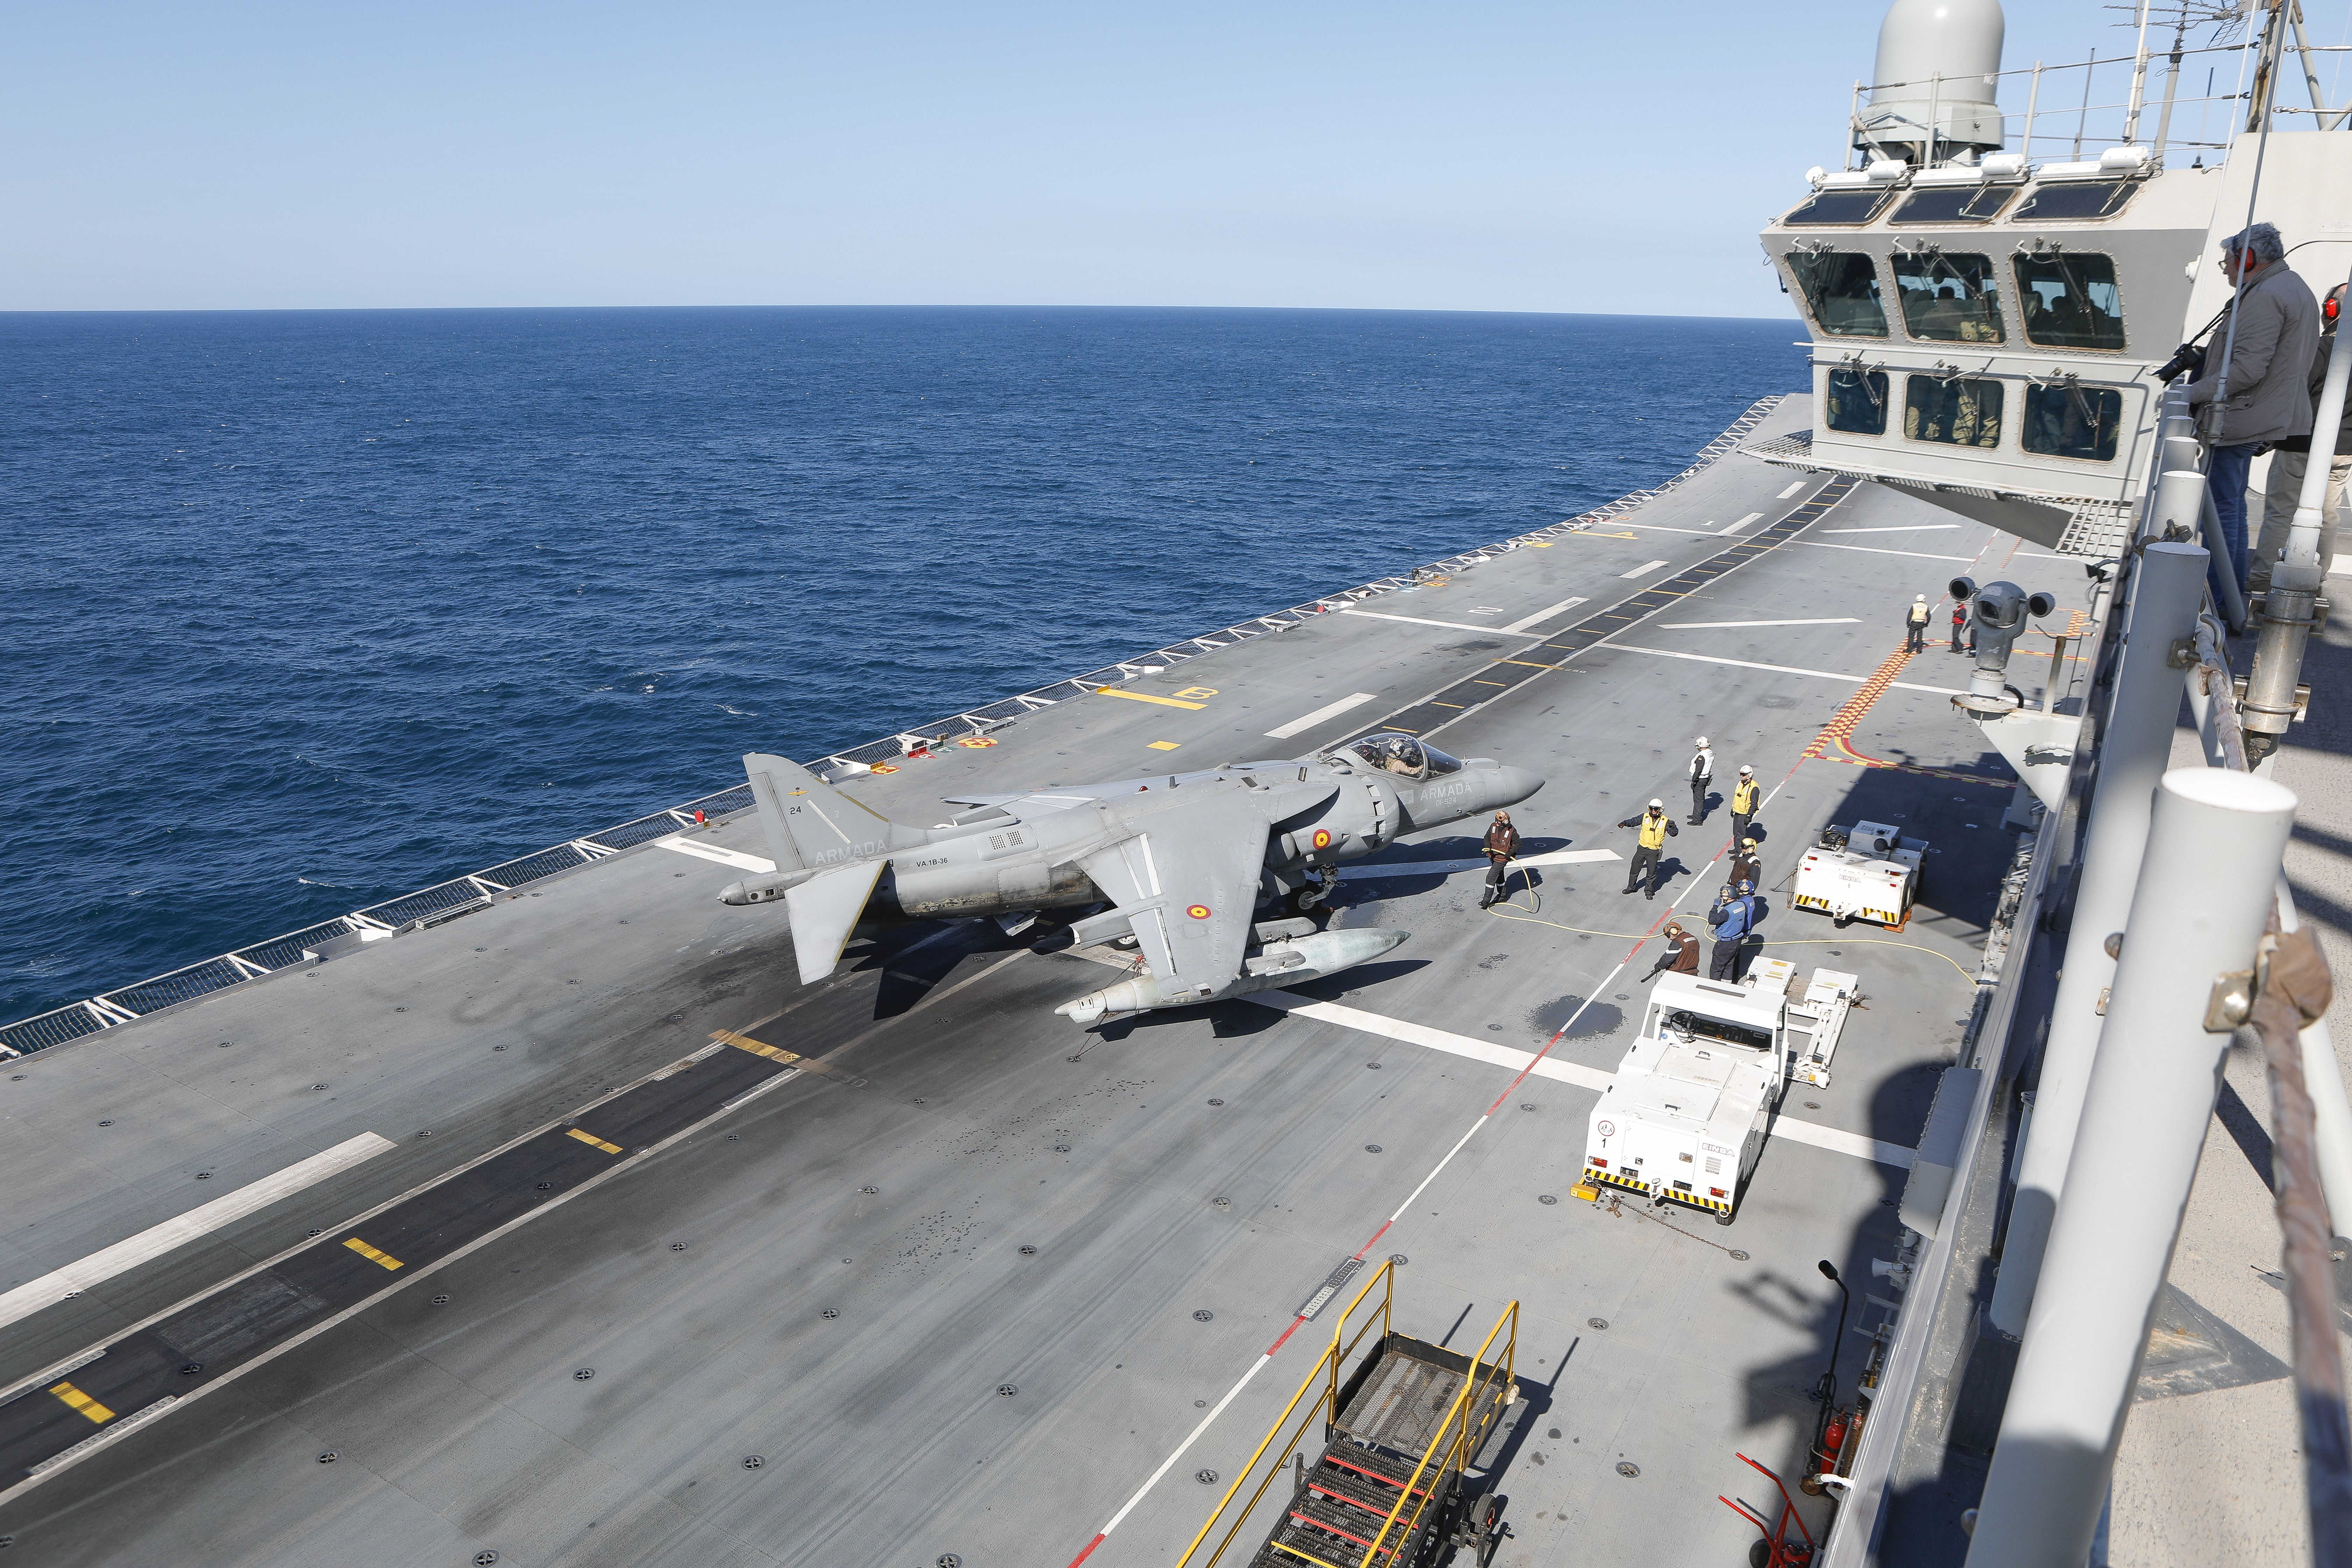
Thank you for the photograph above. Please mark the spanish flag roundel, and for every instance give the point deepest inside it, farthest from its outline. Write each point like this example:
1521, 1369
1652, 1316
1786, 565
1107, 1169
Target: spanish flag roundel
1199, 911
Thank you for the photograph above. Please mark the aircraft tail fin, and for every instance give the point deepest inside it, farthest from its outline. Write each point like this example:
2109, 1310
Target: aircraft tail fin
812, 825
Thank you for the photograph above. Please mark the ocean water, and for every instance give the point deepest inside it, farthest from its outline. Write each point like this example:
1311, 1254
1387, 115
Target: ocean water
307, 609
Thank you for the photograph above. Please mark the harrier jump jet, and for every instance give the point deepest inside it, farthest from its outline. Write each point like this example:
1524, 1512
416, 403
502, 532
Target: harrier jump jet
1182, 858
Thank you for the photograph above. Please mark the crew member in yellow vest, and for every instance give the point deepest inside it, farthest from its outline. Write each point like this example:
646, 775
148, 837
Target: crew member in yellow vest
1916, 619
1652, 828
1745, 794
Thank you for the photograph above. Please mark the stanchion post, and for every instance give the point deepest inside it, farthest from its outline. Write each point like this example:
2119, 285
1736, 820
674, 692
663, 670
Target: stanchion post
2203, 898
2132, 756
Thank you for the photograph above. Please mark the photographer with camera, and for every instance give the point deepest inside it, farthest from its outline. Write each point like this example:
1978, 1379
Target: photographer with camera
2258, 392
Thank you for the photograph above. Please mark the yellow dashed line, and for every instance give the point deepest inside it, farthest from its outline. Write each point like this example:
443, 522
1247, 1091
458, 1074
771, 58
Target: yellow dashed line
1146, 696
370, 1254
74, 1398
778, 1053
591, 1139
1525, 664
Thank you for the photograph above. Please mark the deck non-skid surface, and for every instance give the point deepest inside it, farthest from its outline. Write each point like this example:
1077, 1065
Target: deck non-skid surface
959, 1308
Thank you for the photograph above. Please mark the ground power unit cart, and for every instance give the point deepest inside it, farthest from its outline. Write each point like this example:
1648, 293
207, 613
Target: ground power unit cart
1684, 1118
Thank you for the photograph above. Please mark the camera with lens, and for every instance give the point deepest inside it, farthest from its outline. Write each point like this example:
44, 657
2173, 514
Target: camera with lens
2189, 360
1998, 612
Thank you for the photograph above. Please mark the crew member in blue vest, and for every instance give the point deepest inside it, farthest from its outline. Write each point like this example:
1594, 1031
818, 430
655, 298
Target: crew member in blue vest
1731, 920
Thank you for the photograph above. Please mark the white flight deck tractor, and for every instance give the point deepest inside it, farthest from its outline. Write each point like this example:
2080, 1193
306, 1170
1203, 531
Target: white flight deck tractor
1868, 871
1683, 1120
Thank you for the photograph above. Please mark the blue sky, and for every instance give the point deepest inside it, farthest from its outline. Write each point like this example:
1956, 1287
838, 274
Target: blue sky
1471, 156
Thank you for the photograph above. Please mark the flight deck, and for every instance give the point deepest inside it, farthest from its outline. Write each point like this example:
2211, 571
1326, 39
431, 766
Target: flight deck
657, 1255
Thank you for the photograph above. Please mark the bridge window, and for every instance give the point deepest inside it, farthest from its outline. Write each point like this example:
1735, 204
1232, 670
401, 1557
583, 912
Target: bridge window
1841, 289
1962, 412
2073, 421
1955, 204
1854, 207
1948, 299
2073, 200
2069, 301
1856, 402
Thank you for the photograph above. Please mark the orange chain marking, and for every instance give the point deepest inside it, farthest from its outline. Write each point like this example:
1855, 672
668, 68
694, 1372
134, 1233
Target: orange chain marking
1832, 745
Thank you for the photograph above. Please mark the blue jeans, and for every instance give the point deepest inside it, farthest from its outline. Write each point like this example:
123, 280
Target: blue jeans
2225, 476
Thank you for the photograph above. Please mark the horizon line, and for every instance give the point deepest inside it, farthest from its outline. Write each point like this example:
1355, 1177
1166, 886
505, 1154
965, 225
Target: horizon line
386, 309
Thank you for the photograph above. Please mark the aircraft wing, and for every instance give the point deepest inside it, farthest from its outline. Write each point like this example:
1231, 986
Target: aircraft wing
1189, 877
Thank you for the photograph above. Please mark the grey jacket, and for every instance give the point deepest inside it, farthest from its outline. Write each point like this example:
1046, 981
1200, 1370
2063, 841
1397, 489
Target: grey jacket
2319, 380
2277, 331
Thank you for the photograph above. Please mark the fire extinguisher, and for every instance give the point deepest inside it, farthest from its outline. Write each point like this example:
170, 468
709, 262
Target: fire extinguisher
1832, 1439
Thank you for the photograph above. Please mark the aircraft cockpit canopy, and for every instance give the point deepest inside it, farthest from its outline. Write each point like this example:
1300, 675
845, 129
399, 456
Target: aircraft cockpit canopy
1403, 754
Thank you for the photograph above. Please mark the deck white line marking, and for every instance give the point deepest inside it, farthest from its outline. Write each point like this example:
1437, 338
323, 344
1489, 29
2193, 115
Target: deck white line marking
1524, 621
1434, 1039
1898, 528
1793, 490
1872, 550
700, 851
156, 1240
1328, 710
1642, 571
1781, 668
1691, 626
1529, 1063
1447, 868
1743, 522
1449, 625
1663, 528
1191, 1437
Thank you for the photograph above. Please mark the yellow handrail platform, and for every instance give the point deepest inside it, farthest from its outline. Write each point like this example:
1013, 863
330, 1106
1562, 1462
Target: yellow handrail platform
1384, 1476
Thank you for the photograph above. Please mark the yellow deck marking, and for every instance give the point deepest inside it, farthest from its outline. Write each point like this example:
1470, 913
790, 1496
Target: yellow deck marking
1165, 745
1538, 544
1433, 702
1484, 681
778, 1053
370, 1254
590, 1138
1525, 664
82, 1402
1146, 696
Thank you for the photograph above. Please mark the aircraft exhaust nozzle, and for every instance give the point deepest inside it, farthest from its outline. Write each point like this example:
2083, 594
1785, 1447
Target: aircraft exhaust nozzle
1284, 963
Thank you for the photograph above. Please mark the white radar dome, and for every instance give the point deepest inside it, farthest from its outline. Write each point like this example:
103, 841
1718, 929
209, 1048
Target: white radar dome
1932, 92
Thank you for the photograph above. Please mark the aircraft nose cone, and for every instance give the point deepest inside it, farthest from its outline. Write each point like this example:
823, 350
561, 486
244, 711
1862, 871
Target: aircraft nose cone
1512, 786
